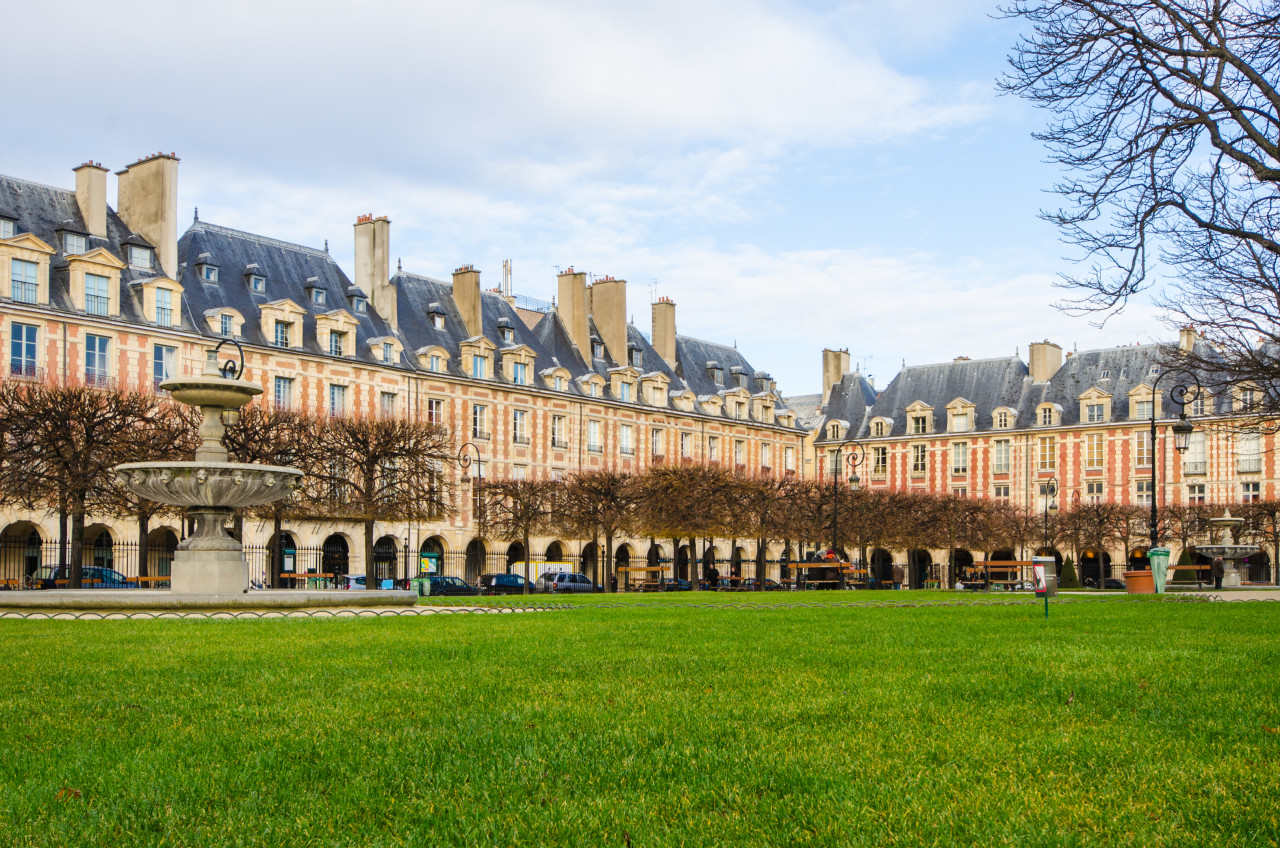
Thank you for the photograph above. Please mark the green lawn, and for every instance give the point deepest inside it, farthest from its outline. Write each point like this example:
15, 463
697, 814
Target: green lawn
657, 723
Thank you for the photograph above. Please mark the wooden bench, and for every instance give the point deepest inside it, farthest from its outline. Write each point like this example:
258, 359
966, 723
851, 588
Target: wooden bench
152, 578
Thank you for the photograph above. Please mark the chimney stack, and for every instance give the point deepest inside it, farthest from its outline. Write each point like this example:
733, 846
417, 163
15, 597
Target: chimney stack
466, 296
664, 329
373, 265
835, 364
1046, 359
1186, 339
147, 202
572, 308
91, 195
609, 311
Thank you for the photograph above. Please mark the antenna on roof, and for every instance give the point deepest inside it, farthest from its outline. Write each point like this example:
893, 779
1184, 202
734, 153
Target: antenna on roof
557, 267
399, 264
326, 245
196, 216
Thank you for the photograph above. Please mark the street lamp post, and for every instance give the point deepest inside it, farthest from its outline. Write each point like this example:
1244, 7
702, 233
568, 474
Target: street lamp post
1182, 430
465, 460
1050, 505
856, 452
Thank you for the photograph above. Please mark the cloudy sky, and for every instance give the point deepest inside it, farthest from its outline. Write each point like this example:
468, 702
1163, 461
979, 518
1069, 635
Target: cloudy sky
794, 175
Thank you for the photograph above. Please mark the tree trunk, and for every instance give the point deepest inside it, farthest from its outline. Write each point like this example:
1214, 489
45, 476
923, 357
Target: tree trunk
277, 561
77, 543
695, 563
526, 563
370, 572
144, 522
760, 545
608, 562
62, 532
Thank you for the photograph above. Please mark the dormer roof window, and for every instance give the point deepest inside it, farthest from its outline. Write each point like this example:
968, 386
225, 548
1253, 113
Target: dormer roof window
635, 356
206, 270
597, 349
74, 243
505, 332
317, 295
7, 227
436, 315
139, 257
359, 304
257, 284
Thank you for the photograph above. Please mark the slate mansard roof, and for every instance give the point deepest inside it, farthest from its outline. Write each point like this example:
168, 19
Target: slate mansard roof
1001, 383
44, 211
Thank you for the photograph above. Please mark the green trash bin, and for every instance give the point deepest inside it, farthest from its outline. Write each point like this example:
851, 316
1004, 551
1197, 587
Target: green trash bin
1159, 559
421, 585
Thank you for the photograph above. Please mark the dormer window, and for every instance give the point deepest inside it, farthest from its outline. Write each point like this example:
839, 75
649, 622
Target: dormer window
558, 383
257, 283
1046, 417
97, 296
209, 273
636, 358
717, 374
6, 228
318, 296
624, 391
478, 366
337, 342
225, 326
140, 257
359, 304
164, 307
919, 424
877, 429
594, 390
833, 432
23, 280
283, 331
437, 321
388, 352
434, 364
597, 350
74, 243
508, 334
1105, 375
740, 380
1001, 420
519, 373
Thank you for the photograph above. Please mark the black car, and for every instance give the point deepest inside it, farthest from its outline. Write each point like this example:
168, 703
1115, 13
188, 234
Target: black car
503, 584
91, 577
441, 585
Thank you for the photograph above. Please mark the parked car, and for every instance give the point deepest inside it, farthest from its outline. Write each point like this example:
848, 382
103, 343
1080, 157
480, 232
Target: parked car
504, 584
91, 577
674, 584
357, 581
441, 585
770, 585
557, 582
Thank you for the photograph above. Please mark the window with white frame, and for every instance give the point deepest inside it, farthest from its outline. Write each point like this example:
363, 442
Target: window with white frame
360, 305
140, 257
789, 458
1142, 449
655, 442
164, 307
1000, 491
97, 297
593, 437
1046, 416
713, 448
557, 383
1248, 399
1250, 492
879, 461
164, 363
479, 421
434, 363
96, 369
766, 455
387, 404
437, 321
833, 463
960, 458
477, 366
919, 424
337, 399
624, 391
282, 392
1196, 459
1142, 409
1093, 491
1000, 451
559, 439
626, 440
284, 329
388, 352
23, 280
1093, 450
1048, 453
877, 428
318, 297
6, 228
1197, 405
1143, 492
22, 350
1196, 493
686, 445
919, 459
520, 426
739, 452
209, 273
1001, 420
1249, 452
74, 243
519, 373
960, 422
257, 283
435, 411
1094, 413
225, 325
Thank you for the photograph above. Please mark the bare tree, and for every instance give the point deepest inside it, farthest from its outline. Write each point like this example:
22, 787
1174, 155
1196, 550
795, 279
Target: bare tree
61, 442
517, 509
1167, 115
379, 469
599, 502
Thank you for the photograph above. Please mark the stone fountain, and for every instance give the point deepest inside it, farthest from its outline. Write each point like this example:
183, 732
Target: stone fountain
209, 568
1231, 555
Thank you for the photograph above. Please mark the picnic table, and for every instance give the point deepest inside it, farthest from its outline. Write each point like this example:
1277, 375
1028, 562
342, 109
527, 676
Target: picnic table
318, 576
647, 584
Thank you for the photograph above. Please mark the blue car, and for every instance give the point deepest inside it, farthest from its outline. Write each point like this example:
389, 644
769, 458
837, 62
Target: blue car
91, 577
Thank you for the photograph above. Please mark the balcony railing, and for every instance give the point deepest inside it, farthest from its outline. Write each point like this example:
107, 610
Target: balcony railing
520, 440
1194, 467
559, 444
1249, 465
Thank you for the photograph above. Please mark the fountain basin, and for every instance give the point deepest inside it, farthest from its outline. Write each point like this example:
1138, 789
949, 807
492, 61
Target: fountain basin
211, 391
1227, 552
224, 485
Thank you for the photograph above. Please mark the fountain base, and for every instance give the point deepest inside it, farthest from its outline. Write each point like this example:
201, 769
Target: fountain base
204, 572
